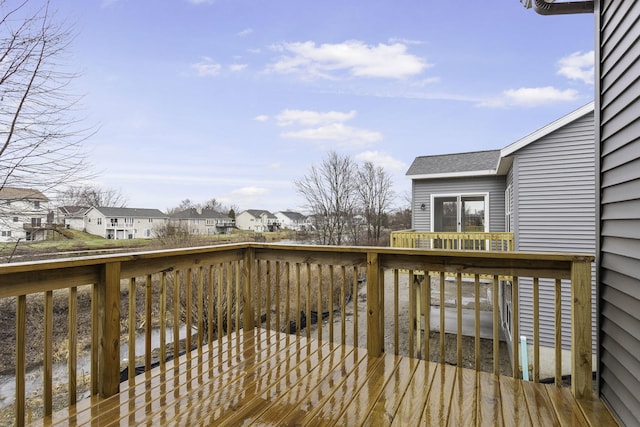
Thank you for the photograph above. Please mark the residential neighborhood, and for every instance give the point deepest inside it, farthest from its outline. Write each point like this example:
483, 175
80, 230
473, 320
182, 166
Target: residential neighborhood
27, 214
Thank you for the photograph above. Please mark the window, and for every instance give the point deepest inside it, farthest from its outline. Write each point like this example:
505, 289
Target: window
15, 219
6, 234
508, 201
99, 221
459, 213
36, 204
36, 222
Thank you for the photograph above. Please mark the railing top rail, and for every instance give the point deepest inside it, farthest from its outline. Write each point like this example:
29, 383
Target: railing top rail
17, 267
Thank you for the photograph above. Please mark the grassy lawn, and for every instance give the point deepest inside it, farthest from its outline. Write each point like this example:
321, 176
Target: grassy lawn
80, 241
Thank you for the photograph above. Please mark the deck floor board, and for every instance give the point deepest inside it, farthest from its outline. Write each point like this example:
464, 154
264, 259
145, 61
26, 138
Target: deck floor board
271, 379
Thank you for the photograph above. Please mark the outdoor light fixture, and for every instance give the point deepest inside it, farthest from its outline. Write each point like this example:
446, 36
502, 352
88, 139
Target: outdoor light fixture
423, 206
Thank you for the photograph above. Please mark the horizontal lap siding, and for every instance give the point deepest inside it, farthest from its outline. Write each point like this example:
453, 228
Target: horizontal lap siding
555, 210
619, 247
423, 189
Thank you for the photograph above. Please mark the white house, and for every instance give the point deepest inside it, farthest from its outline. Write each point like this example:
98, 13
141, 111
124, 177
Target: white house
294, 220
257, 220
202, 221
23, 214
72, 217
124, 223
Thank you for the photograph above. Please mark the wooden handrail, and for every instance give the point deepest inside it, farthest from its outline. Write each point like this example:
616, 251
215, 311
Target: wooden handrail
231, 277
479, 241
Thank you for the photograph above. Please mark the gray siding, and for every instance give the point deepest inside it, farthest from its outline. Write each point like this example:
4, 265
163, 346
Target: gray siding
554, 179
618, 103
423, 189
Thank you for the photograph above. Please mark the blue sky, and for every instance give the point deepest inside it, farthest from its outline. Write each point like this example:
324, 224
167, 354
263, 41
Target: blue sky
235, 99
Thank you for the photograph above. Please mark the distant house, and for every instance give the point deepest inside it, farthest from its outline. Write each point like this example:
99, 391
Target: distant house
202, 221
257, 220
124, 223
72, 217
23, 214
294, 221
541, 188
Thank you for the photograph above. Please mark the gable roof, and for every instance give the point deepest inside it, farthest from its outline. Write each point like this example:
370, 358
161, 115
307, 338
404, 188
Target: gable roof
130, 212
506, 152
455, 165
491, 162
546, 130
73, 210
13, 193
293, 216
257, 213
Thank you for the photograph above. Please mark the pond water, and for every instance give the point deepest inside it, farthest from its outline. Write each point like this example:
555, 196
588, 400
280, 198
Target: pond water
33, 380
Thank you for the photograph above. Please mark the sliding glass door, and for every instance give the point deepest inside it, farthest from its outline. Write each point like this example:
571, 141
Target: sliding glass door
459, 213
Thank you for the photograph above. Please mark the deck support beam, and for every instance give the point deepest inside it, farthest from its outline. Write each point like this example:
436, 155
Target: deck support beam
375, 314
247, 285
581, 345
107, 294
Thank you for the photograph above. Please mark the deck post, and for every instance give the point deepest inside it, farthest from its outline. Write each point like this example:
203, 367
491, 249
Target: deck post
374, 312
581, 346
247, 291
107, 294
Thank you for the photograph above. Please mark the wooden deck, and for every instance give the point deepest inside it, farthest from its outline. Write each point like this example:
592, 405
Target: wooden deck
272, 379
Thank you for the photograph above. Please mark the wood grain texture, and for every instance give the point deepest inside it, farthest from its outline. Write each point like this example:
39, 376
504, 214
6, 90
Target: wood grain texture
253, 378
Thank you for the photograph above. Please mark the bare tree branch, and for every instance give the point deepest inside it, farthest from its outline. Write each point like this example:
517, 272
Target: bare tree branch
41, 141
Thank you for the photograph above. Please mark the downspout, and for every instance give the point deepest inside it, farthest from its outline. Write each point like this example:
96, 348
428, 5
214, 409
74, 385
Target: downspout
543, 7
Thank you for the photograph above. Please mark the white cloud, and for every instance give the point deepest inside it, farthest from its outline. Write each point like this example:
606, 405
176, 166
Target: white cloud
245, 32
337, 132
352, 58
312, 118
250, 191
578, 66
207, 68
531, 97
261, 118
325, 127
237, 67
385, 160
405, 41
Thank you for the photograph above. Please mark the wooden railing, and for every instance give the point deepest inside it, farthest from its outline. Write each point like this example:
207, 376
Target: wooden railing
360, 296
477, 241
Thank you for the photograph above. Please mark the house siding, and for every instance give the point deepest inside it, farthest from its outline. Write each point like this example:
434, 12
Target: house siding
554, 179
423, 189
618, 102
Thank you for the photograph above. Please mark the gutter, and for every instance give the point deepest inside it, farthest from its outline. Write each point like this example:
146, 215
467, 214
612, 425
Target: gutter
547, 7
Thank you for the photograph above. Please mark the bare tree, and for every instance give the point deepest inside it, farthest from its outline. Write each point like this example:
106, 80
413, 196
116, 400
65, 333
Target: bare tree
40, 137
212, 204
92, 196
331, 194
375, 197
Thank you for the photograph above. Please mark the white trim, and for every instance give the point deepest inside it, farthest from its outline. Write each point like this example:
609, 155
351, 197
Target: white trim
454, 174
459, 196
546, 130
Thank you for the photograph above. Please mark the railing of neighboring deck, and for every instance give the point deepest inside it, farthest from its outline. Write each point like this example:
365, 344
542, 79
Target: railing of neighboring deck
477, 241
